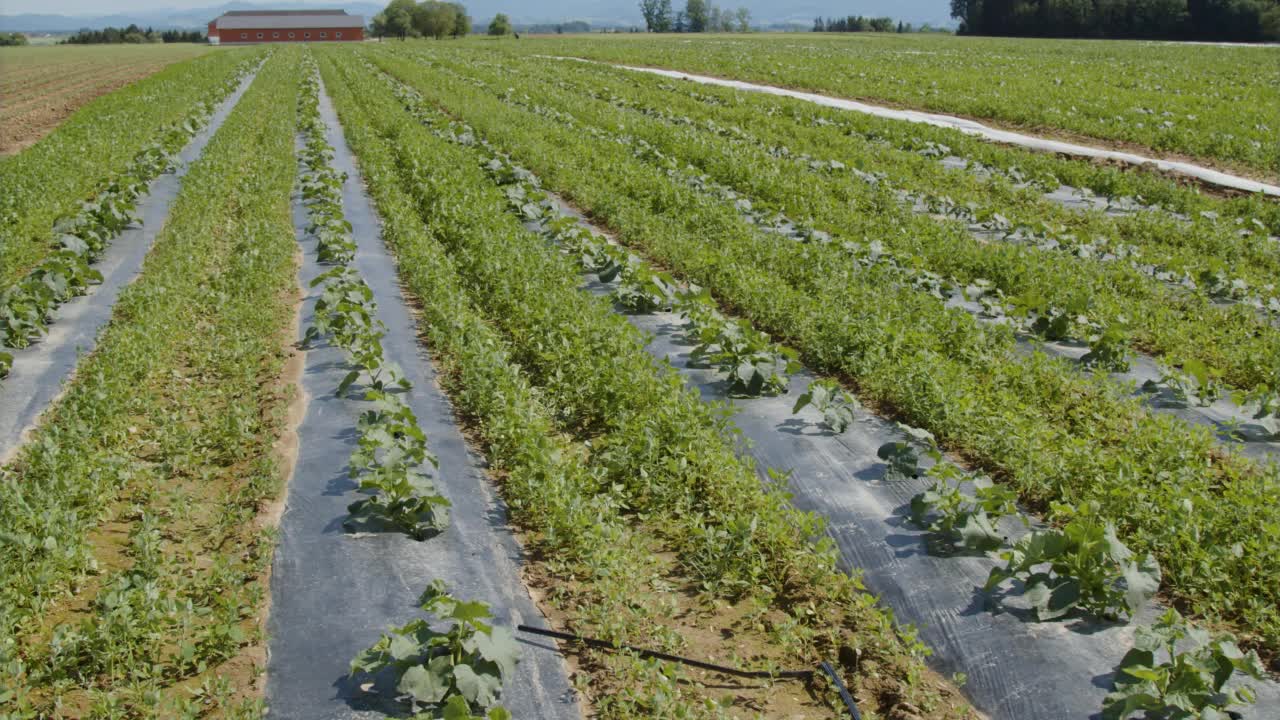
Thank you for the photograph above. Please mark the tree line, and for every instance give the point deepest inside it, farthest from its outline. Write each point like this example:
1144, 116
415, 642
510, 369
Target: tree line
697, 16
1225, 20
406, 19
857, 23
8, 39
133, 34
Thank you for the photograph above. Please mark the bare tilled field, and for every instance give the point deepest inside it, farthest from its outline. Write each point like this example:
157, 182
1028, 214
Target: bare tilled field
479, 380
42, 86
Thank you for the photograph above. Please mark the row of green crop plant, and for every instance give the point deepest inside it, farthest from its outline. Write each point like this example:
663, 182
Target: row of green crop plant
1193, 101
1191, 379
1038, 423
606, 459
1051, 294
1090, 568
391, 448
1120, 188
92, 150
1083, 565
133, 559
1035, 315
1193, 382
1114, 586
453, 671
1228, 254
66, 271
1009, 169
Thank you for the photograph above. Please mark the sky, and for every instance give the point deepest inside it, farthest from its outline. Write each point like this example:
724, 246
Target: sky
931, 10
109, 7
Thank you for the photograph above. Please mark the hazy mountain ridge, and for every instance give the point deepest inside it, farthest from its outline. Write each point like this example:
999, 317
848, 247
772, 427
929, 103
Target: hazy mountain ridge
597, 12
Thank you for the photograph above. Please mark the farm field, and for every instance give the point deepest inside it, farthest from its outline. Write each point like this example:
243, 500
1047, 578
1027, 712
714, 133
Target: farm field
439, 346
40, 87
1175, 98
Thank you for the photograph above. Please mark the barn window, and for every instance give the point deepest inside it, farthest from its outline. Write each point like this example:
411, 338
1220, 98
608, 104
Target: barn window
275, 36
306, 36
324, 35
244, 36
337, 36
292, 36
259, 36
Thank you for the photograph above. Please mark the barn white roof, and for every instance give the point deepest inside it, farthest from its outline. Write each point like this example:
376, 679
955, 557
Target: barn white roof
288, 20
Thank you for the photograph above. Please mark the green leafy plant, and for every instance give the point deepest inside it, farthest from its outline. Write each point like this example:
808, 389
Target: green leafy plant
1265, 398
1046, 319
753, 364
388, 454
392, 448
469, 661
643, 290
969, 520
835, 403
904, 456
79, 239
1109, 348
1081, 565
1194, 382
1190, 683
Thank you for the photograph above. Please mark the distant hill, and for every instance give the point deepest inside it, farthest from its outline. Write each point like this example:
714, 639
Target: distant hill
600, 13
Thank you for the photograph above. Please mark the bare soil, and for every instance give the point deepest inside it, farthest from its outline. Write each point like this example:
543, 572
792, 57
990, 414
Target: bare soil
36, 111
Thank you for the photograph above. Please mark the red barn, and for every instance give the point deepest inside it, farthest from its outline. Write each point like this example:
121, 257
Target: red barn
262, 26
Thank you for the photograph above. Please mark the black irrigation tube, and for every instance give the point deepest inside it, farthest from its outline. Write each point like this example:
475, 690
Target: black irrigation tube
806, 675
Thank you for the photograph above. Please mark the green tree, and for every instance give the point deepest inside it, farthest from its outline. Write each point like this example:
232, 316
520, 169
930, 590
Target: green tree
1270, 23
649, 10
665, 18
378, 25
435, 19
462, 21
501, 25
695, 13
397, 19
744, 20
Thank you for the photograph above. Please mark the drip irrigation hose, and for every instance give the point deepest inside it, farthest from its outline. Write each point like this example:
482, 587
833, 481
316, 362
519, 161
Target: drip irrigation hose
824, 666
845, 695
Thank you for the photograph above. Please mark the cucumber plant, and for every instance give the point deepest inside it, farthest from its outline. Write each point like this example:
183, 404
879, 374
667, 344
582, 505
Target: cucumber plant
450, 673
1195, 382
643, 290
752, 363
963, 519
1265, 400
1081, 565
903, 457
389, 452
1189, 681
835, 403
391, 448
